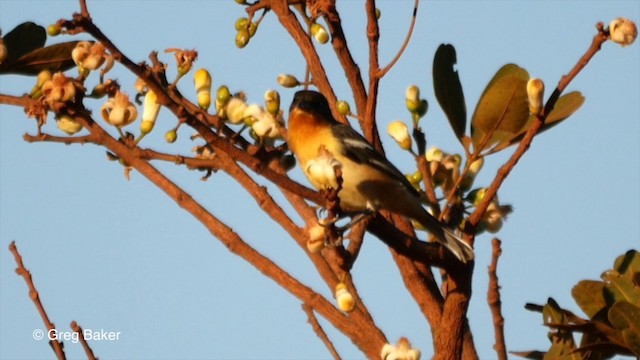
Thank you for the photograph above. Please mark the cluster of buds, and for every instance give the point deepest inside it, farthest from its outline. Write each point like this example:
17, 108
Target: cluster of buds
417, 107
245, 31
264, 121
445, 170
344, 298
401, 351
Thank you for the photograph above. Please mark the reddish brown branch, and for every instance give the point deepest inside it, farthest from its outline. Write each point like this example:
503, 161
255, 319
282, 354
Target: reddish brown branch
319, 331
35, 297
87, 349
493, 299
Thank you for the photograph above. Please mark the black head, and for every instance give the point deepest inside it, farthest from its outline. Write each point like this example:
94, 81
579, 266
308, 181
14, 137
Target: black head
312, 102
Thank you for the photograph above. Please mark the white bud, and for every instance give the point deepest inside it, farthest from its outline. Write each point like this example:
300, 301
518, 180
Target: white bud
623, 31
400, 133
535, 93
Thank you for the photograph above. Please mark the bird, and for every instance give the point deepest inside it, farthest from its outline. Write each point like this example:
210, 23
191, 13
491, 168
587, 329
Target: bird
369, 181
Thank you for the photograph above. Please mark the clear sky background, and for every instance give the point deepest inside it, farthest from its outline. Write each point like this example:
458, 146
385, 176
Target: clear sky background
118, 255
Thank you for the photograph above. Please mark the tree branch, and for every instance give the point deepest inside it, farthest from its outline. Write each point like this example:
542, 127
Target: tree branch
493, 299
35, 297
319, 331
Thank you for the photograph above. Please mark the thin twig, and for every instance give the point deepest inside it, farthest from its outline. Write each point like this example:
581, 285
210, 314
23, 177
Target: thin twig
87, 349
319, 331
493, 299
395, 59
35, 297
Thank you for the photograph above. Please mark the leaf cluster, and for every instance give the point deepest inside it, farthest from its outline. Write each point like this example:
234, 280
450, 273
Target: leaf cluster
612, 306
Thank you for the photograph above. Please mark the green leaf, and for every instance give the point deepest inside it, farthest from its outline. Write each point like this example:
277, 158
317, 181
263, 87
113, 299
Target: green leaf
23, 39
503, 109
448, 90
552, 313
53, 58
565, 106
589, 295
626, 317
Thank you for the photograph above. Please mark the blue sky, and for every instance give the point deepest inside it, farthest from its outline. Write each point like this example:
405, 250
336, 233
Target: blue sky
118, 255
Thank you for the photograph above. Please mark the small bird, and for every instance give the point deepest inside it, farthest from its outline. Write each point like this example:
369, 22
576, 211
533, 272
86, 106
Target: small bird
369, 181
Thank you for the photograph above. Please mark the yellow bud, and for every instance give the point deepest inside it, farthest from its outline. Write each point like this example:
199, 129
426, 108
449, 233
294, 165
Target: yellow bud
67, 124
319, 33
223, 94
317, 235
288, 81
272, 102
535, 93
202, 82
242, 38
171, 136
345, 299
53, 30
434, 154
241, 23
343, 107
150, 112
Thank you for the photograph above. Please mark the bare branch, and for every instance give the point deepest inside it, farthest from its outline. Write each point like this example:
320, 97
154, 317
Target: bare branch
319, 331
493, 299
87, 349
35, 297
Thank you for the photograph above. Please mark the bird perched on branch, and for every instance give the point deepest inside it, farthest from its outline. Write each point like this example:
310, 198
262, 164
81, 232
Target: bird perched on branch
369, 181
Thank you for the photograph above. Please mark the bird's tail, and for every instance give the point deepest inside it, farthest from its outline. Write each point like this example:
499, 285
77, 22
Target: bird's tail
446, 237
456, 245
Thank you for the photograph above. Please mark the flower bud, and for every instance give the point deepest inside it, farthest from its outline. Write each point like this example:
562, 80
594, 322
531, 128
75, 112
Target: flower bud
319, 33
288, 81
535, 93
272, 102
474, 168
54, 30
43, 76
343, 107
241, 23
345, 299
150, 112
317, 236
623, 31
242, 38
171, 136
402, 350
434, 154
67, 124
413, 99
400, 133
202, 81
